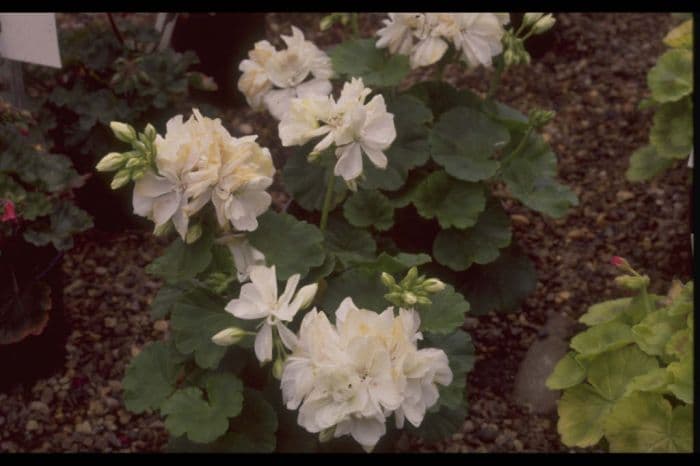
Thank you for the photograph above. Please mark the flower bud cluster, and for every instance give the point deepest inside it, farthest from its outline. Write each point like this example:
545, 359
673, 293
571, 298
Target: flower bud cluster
130, 165
412, 290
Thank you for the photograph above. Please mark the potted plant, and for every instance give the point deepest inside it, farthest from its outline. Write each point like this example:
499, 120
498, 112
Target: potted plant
37, 222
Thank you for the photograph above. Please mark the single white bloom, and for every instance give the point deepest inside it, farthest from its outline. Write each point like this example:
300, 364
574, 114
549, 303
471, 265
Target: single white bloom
239, 196
431, 36
272, 78
478, 36
259, 300
244, 254
398, 30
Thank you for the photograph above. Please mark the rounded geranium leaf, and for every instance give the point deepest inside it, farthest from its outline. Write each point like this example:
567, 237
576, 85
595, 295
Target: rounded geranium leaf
360, 58
182, 261
602, 338
610, 372
672, 76
455, 203
645, 164
581, 414
369, 208
672, 131
459, 249
680, 36
463, 141
306, 181
445, 313
567, 373
347, 243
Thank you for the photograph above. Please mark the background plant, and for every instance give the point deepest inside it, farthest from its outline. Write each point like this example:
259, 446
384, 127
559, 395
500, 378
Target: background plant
629, 377
670, 81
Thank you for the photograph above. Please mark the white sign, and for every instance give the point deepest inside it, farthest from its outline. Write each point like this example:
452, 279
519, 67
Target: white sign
30, 37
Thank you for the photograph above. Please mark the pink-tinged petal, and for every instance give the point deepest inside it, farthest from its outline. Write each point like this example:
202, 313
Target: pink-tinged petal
9, 213
263, 343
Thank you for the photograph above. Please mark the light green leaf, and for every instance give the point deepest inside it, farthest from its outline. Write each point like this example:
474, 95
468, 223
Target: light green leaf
182, 261
605, 312
445, 314
293, 246
150, 377
455, 203
567, 373
681, 36
656, 380
682, 379
645, 164
680, 344
655, 330
645, 422
610, 372
463, 141
672, 131
306, 181
369, 208
530, 177
581, 413
360, 58
195, 320
410, 148
500, 285
459, 249
601, 338
672, 76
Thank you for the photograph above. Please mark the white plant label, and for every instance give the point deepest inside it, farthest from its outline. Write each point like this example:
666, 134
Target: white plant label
30, 37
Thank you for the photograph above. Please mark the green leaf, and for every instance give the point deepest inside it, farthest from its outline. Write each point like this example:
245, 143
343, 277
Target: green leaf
360, 58
182, 262
581, 414
459, 249
500, 285
610, 372
348, 243
150, 377
363, 285
455, 203
681, 36
656, 329
369, 208
293, 246
645, 422
680, 344
440, 96
445, 314
203, 421
410, 148
530, 178
672, 77
682, 379
66, 220
306, 181
567, 373
656, 380
463, 141
510, 117
601, 338
34, 205
672, 131
645, 164
460, 353
605, 312
440, 425
396, 264
195, 320
167, 297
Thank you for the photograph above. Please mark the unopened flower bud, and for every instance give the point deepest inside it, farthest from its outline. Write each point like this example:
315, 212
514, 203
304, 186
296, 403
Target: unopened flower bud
433, 285
544, 24
278, 368
388, 280
306, 295
193, 233
531, 18
121, 178
326, 22
622, 264
539, 118
633, 283
229, 336
123, 131
423, 300
326, 435
134, 162
138, 172
409, 298
163, 229
410, 277
150, 132
139, 145
110, 162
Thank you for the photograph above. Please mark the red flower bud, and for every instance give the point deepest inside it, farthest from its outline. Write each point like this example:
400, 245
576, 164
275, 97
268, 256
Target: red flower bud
8, 213
617, 261
24, 132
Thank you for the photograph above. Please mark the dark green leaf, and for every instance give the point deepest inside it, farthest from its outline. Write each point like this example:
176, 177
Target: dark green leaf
306, 181
369, 208
360, 58
445, 314
348, 243
672, 131
455, 203
183, 261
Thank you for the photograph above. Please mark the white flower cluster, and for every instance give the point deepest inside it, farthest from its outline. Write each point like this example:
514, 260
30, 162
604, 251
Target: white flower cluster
199, 161
425, 37
271, 77
351, 124
350, 377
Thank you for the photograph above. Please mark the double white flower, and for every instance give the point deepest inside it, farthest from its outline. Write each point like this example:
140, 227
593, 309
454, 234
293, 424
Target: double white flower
271, 78
352, 376
198, 161
425, 37
259, 300
353, 126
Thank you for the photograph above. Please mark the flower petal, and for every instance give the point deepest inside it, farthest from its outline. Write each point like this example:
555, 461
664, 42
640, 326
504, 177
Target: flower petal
263, 343
349, 164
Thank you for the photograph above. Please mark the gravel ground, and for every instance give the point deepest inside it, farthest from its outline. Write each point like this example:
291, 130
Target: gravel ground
593, 76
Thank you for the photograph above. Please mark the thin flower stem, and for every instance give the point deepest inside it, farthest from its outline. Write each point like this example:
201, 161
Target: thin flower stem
495, 81
645, 299
518, 149
327, 199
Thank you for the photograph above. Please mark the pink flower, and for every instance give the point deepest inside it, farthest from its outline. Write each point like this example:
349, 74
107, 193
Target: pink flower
8, 212
617, 261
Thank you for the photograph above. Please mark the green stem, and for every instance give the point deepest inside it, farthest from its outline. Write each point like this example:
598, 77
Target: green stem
355, 25
327, 199
645, 299
495, 81
520, 147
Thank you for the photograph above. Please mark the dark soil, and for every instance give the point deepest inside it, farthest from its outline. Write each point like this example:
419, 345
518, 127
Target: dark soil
593, 75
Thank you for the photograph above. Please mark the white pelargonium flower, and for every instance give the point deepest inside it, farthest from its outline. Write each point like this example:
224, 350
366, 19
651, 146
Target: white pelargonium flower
353, 126
239, 196
244, 254
478, 37
397, 33
259, 300
350, 377
271, 78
